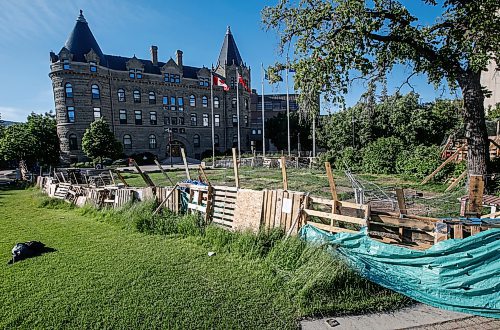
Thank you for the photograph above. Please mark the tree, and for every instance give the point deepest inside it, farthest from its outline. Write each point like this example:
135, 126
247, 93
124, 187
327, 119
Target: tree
276, 131
99, 142
336, 38
17, 144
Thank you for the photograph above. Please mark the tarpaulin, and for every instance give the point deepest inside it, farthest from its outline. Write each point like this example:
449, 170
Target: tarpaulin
457, 274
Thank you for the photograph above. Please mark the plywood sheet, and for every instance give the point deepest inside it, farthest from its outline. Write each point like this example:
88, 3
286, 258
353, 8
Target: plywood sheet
248, 211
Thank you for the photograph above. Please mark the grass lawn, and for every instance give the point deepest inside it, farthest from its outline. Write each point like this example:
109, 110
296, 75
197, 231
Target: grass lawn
104, 276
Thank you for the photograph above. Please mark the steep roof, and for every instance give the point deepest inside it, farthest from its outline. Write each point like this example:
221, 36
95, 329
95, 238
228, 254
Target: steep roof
229, 53
81, 41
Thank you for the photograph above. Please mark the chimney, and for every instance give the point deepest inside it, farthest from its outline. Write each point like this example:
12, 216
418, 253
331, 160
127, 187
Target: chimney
154, 55
179, 58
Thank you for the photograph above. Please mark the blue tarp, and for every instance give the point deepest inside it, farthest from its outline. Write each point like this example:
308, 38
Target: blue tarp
457, 274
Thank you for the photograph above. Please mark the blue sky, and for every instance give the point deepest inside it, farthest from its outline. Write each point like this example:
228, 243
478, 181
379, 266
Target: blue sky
30, 29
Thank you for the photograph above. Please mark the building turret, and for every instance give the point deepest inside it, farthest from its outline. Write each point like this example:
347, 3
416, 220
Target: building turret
81, 41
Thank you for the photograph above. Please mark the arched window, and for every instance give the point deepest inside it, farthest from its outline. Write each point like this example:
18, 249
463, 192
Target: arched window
96, 94
196, 140
73, 142
235, 140
152, 98
192, 100
127, 142
137, 96
216, 140
121, 95
216, 102
152, 141
233, 102
235, 121
246, 104
68, 89
204, 101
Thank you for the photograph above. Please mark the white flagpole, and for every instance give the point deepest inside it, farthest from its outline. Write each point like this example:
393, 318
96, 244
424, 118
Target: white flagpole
263, 117
314, 136
288, 109
238, 111
213, 122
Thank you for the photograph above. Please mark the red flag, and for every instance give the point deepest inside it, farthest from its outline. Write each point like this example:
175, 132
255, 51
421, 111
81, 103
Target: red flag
218, 81
242, 82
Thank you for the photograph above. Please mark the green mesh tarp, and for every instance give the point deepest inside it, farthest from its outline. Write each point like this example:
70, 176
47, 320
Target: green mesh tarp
461, 275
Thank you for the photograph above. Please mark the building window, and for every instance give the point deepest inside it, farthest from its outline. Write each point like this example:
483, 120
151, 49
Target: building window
93, 67
165, 100
71, 114
216, 102
235, 140
97, 113
138, 117
131, 73
123, 116
135, 73
173, 107
152, 98
254, 131
137, 96
174, 130
216, 140
96, 94
66, 65
194, 119
68, 89
217, 120
175, 78
127, 142
246, 104
152, 118
166, 120
235, 121
205, 120
166, 77
204, 82
121, 95
180, 103
174, 120
196, 141
152, 141
192, 100
182, 130
138, 74
73, 142
246, 121
204, 101
181, 120
233, 102
259, 131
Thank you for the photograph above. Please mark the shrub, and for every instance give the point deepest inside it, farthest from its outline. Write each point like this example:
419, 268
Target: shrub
420, 162
379, 157
349, 157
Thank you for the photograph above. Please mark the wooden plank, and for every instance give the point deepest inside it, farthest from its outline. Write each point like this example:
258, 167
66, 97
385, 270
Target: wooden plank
475, 230
235, 166
225, 188
345, 204
401, 201
184, 160
223, 222
407, 222
336, 217
457, 181
491, 215
121, 178
331, 181
279, 206
331, 228
144, 176
283, 173
204, 175
165, 199
475, 200
440, 167
197, 207
163, 171
458, 231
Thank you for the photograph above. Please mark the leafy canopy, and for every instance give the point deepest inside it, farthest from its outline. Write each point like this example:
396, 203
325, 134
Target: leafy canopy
336, 39
99, 142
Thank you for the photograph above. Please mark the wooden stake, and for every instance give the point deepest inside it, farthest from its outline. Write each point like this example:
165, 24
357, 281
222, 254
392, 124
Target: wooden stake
401, 201
449, 159
283, 173
121, 178
204, 174
183, 154
144, 176
110, 174
475, 201
457, 181
163, 171
235, 166
165, 200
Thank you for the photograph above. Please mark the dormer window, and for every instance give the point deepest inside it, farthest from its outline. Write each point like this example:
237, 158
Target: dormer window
166, 77
204, 82
93, 66
138, 74
135, 73
174, 78
131, 73
66, 65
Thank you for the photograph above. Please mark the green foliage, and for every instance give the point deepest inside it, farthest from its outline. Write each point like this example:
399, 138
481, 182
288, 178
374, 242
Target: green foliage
379, 157
420, 162
99, 142
494, 112
277, 131
349, 157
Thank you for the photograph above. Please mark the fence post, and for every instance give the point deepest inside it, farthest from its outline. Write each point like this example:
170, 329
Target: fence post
283, 173
183, 154
235, 166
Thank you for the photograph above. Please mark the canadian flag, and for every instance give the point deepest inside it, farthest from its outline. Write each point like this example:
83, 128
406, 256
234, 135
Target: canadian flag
242, 82
218, 81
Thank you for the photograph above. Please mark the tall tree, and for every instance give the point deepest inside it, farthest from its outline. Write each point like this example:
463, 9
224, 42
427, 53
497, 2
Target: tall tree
276, 131
99, 142
335, 38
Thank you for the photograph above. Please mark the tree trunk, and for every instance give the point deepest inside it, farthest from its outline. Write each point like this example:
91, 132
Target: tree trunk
475, 125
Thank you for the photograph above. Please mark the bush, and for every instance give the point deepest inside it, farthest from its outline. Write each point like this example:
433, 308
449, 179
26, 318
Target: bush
379, 157
349, 157
420, 162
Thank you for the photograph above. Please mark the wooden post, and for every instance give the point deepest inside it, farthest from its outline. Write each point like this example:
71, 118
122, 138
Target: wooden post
163, 171
110, 174
331, 181
204, 175
475, 201
235, 166
122, 179
208, 209
283, 173
401, 201
457, 181
183, 154
144, 176
449, 159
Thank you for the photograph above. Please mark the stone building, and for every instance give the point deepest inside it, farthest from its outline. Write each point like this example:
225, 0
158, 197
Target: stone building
490, 79
150, 105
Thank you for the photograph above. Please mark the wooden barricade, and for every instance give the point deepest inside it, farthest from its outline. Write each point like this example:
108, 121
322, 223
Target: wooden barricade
173, 201
280, 209
61, 190
224, 205
122, 197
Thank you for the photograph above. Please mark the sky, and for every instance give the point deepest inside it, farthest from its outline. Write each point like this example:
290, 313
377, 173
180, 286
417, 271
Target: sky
30, 29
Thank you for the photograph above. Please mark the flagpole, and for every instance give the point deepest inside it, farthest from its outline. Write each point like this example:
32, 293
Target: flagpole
213, 122
263, 118
314, 135
238, 110
288, 108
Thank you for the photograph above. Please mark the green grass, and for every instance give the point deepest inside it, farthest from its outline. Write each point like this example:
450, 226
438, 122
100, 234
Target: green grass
107, 274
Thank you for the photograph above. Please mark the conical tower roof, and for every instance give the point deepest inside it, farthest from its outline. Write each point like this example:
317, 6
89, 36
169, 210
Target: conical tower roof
229, 53
81, 41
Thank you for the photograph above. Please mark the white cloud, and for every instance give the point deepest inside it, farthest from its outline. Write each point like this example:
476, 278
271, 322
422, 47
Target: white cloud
15, 114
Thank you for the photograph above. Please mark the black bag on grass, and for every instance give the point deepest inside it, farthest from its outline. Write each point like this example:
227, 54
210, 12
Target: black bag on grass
29, 249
